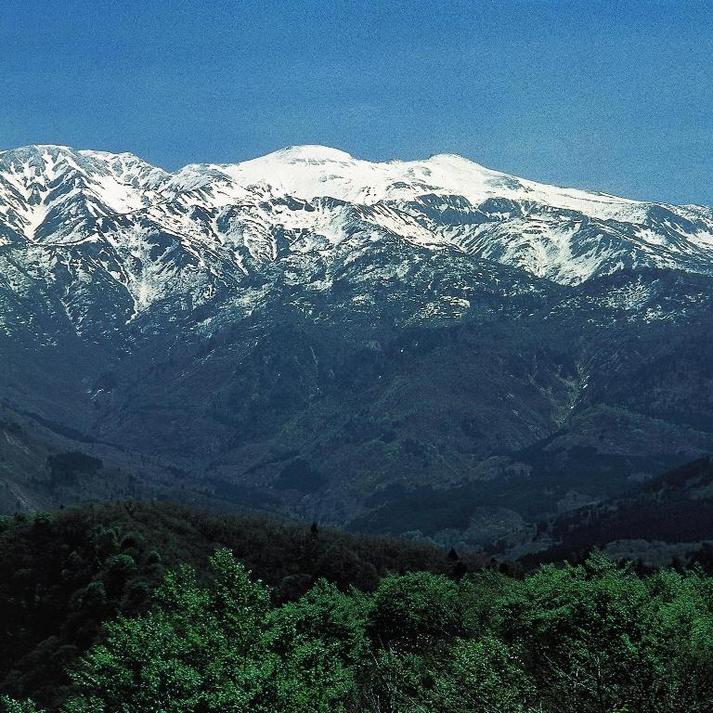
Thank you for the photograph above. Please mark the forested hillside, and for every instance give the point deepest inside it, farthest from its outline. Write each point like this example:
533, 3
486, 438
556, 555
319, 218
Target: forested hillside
134, 607
665, 520
63, 574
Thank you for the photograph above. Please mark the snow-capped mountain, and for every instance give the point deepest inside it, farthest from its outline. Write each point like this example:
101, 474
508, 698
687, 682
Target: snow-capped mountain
213, 220
366, 343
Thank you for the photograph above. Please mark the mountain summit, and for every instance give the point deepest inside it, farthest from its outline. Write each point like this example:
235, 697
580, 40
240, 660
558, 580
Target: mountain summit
54, 194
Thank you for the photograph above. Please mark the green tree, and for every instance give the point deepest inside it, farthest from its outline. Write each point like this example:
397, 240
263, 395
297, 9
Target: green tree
415, 611
198, 649
318, 643
218, 646
483, 676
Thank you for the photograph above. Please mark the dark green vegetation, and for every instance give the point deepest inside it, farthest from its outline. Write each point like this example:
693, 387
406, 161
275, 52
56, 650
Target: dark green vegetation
361, 404
63, 574
595, 638
130, 607
669, 518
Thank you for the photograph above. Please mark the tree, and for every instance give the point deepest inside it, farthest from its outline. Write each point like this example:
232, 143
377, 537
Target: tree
198, 649
219, 647
415, 610
319, 643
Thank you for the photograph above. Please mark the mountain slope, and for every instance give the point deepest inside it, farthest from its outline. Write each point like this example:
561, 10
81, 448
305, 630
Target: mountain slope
669, 517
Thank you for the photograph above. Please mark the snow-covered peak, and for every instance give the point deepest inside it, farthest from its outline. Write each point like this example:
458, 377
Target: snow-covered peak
57, 195
309, 152
42, 183
309, 172
50, 161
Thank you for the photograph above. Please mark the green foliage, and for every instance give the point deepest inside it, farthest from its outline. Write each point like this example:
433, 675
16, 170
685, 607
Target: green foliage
480, 675
318, 644
484, 675
595, 638
63, 574
416, 610
198, 649
10, 705
218, 647
599, 638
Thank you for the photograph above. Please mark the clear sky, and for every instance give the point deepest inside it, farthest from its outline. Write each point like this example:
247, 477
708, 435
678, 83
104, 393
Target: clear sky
616, 96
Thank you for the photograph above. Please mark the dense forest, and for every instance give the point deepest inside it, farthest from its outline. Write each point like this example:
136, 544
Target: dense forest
131, 607
63, 574
146, 607
589, 638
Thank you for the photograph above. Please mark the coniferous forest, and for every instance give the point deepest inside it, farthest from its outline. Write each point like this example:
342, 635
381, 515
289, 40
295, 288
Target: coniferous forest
152, 607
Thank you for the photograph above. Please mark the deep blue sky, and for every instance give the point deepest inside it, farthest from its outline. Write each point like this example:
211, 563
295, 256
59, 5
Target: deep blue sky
611, 95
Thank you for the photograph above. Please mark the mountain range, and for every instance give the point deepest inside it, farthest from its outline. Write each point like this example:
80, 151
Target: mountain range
428, 348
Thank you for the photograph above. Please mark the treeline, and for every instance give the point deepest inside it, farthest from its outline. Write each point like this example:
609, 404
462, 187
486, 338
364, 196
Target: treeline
592, 638
63, 574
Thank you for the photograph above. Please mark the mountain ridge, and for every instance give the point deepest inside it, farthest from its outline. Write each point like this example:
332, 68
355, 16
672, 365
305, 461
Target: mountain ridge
318, 153
57, 195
